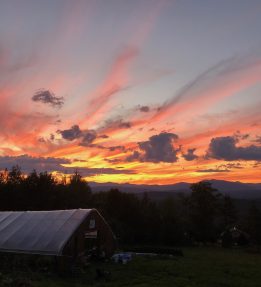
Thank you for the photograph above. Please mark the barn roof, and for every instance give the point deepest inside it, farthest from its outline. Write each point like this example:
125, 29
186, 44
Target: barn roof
39, 232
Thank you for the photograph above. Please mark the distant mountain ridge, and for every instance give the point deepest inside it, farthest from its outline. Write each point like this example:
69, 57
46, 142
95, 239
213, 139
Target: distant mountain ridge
234, 189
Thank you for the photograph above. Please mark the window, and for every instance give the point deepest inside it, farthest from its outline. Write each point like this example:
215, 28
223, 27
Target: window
92, 223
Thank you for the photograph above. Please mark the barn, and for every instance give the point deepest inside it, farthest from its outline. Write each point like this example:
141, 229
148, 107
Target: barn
63, 233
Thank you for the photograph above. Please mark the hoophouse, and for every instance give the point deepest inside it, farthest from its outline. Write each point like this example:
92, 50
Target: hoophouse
67, 233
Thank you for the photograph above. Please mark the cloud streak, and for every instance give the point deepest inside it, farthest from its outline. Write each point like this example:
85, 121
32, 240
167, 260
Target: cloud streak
222, 80
50, 164
115, 82
212, 170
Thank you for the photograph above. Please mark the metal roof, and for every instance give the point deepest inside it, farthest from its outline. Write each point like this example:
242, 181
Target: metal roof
39, 232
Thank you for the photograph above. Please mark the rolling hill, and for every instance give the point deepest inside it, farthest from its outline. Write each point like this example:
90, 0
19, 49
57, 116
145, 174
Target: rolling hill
233, 189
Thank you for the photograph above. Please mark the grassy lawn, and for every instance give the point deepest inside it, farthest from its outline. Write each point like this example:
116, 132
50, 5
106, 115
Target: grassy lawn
200, 267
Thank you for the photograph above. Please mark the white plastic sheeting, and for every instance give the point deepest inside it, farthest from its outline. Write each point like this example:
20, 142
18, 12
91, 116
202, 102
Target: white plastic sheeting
39, 232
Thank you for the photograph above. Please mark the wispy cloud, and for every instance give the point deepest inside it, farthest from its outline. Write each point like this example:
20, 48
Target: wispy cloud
144, 109
222, 80
116, 81
211, 170
50, 164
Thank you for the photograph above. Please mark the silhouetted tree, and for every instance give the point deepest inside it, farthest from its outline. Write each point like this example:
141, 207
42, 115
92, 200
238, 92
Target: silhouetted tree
135, 220
253, 224
14, 177
203, 209
78, 184
228, 212
172, 227
80, 191
150, 221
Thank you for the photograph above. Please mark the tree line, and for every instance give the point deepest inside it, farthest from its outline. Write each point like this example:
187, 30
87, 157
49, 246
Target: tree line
202, 216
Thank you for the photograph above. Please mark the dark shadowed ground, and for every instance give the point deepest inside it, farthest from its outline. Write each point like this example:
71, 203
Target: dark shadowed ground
200, 267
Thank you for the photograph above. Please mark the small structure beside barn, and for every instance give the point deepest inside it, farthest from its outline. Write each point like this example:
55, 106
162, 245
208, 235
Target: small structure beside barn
63, 233
234, 237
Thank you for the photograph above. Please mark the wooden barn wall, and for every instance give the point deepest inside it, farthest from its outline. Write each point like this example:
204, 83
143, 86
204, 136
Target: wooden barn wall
107, 240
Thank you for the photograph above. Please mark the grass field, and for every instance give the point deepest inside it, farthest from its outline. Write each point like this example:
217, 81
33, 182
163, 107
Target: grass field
200, 267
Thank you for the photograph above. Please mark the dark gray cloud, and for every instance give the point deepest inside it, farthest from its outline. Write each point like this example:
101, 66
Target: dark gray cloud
135, 156
239, 136
213, 170
124, 125
88, 136
120, 148
144, 109
189, 156
41, 140
117, 147
225, 148
117, 123
94, 145
48, 97
97, 171
28, 163
114, 160
79, 160
227, 167
159, 148
52, 137
49, 164
104, 136
72, 133
45, 140
257, 164
231, 165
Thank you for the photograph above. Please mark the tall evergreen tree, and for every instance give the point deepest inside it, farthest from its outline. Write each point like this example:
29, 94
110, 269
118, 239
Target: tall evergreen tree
228, 212
253, 224
203, 209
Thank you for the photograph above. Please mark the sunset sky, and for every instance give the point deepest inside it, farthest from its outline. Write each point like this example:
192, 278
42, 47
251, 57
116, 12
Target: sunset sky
140, 91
